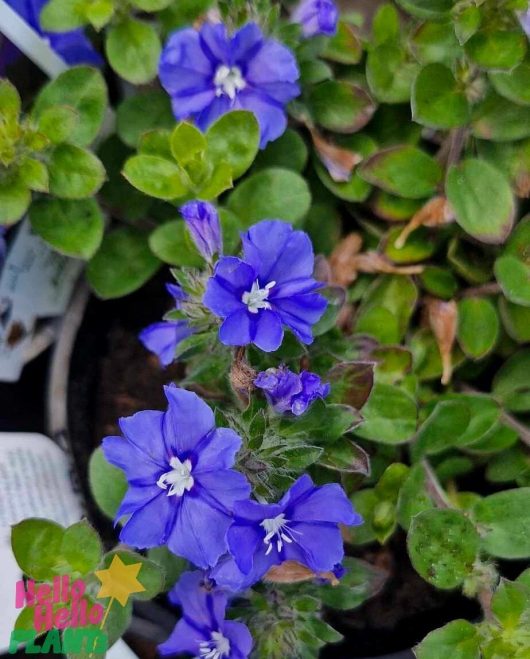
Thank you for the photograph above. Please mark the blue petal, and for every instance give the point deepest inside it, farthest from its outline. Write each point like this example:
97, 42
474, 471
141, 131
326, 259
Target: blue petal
218, 106
204, 606
274, 62
321, 545
218, 450
187, 421
214, 43
236, 330
232, 277
243, 542
300, 312
277, 252
144, 431
199, 533
163, 338
222, 488
183, 638
239, 637
327, 503
245, 44
271, 116
267, 331
150, 526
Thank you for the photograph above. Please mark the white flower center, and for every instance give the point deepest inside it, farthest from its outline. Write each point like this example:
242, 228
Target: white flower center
277, 530
179, 478
228, 80
256, 298
217, 648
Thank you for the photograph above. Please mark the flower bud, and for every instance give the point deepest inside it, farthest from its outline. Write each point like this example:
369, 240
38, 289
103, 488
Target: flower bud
203, 224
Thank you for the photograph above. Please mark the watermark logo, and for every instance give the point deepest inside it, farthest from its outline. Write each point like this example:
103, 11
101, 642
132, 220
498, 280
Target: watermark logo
70, 620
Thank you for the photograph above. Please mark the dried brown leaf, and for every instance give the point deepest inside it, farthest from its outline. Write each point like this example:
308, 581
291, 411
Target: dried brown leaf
338, 161
442, 318
436, 212
294, 572
341, 261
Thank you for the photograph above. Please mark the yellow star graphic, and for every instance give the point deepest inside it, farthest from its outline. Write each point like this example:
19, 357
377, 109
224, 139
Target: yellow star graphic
119, 581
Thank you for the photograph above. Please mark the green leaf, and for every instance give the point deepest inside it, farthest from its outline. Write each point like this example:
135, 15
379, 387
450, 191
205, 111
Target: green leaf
443, 428
484, 412
155, 176
437, 101
34, 174
360, 582
10, 102
511, 385
15, 198
364, 502
443, 546
512, 268
404, 171
482, 200
340, 106
413, 498
431, 9
74, 228
459, 639
151, 5
514, 277
497, 119
390, 73
420, 246
234, 139
99, 13
289, 152
436, 42
385, 26
123, 263
172, 566
344, 47
390, 415
172, 244
83, 89
62, 16
141, 113
515, 319
108, 484
133, 50
81, 547
58, 123
467, 22
439, 282
504, 522
219, 181
36, 544
478, 326
508, 465
496, 49
186, 143
278, 193
509, 603
75, 173
513, 85
346, 457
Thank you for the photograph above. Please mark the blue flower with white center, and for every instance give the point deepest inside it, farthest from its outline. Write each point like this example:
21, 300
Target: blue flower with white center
203, 224
203, 631
269, 288
208, 73
291, 392
316, 17
302, 527
181, 485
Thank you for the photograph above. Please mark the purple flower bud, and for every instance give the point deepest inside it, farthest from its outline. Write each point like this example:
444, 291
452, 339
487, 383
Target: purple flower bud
316, 17
291, 392
203, 224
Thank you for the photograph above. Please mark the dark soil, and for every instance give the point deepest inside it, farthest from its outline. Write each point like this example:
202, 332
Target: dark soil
112, 375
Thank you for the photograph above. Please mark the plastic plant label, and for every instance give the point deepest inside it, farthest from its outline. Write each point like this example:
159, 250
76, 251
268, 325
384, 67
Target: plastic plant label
34, 482
35, 282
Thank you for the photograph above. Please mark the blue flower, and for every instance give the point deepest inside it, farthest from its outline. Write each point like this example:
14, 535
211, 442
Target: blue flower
181, 488
291, 392
203, 631
203, 224
316, 17
524, 19
302, 527
208, 73
162, 338
270, 288
73, 46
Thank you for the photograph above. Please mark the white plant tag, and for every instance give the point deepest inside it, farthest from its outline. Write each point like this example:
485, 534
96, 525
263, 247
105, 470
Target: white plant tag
34, 482
35, 282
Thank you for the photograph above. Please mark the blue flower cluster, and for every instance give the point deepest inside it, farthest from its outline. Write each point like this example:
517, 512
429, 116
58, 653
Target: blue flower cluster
183, 489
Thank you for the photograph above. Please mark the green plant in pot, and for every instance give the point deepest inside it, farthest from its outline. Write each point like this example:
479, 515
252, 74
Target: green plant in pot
337, 418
